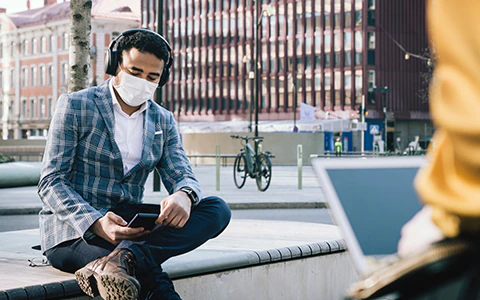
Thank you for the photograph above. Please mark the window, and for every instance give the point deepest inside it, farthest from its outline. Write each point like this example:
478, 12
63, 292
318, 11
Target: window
326, 62
33, 76
348, 80
358, 18
25, 47
371, 57
327, 42
41, 76
348, 58
12, 78
50, 75
1, 50
50, 43
24, 108
348, 19
1, 79
371, 18
371, 40
64, 73
347, 41
24, 76
371, 4
41, 112
65, 40
32, 108
371, 78
34, 46
50, 107
337, 39
12, 49
43, 44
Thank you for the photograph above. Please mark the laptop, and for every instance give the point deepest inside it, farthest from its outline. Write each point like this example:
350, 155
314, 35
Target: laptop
370, 199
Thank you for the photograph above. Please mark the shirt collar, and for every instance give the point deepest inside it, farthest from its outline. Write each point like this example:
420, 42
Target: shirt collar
117, 106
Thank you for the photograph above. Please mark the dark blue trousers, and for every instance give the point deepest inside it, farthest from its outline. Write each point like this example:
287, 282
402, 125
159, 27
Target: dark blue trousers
206, 221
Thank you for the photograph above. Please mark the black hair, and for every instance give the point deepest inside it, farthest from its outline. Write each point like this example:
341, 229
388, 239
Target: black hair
145, 42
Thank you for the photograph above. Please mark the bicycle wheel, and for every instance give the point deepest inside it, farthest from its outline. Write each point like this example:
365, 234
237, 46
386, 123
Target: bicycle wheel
264, 175
240, 170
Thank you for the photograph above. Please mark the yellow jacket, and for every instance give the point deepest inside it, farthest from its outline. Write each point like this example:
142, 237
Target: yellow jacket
451, 183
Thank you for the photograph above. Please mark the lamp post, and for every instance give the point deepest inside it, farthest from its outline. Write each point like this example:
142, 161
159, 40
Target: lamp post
267, 12
294, 90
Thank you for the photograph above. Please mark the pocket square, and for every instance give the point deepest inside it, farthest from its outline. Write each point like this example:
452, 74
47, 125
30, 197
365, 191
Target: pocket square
158, 132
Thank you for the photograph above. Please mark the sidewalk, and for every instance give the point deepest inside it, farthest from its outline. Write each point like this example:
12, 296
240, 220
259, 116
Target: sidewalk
282, 193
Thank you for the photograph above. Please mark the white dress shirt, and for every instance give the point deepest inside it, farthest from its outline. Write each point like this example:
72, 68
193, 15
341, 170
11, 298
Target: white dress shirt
128, 131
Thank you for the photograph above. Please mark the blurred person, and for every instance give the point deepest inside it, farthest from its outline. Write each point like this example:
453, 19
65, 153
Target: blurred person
103, 143
338, 147
450, 184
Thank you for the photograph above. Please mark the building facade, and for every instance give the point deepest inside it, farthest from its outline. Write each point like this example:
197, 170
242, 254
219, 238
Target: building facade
34, 59
324, 53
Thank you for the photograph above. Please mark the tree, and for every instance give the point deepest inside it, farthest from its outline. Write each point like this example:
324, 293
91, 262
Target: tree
80, 28
427, 76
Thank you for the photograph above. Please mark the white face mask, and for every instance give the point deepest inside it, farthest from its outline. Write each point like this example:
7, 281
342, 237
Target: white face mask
135, 91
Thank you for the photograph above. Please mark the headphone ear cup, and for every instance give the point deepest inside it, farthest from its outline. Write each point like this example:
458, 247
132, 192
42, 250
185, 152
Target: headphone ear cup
165, 76
111, 63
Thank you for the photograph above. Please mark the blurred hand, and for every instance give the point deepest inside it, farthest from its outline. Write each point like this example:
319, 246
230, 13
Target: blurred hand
175, 210
113, 229
419, 233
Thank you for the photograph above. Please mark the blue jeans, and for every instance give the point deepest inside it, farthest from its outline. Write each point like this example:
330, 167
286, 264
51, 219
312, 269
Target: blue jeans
206, 221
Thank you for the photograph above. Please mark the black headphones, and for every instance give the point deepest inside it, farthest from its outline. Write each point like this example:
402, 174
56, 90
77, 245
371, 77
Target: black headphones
111, 62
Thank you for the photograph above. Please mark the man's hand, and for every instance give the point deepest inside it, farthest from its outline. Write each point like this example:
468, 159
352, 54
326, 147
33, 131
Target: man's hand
112, 228
175, 210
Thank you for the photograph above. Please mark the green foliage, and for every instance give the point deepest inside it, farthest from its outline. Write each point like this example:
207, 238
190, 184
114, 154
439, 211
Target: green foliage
4, 159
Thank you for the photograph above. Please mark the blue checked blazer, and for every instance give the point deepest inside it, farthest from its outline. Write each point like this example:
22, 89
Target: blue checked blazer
83, 176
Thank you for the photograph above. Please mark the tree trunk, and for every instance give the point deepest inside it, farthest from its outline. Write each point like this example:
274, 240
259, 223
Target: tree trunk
80, 24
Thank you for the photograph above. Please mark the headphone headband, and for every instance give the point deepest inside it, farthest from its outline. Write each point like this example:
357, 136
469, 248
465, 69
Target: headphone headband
113, 55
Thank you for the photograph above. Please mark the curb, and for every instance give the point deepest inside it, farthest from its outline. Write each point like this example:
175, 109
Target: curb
276, 205
233, 206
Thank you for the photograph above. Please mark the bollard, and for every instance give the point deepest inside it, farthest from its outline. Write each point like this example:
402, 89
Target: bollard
217, 158
300, 165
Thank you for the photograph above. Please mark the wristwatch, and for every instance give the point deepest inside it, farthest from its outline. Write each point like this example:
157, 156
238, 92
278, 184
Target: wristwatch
191, 194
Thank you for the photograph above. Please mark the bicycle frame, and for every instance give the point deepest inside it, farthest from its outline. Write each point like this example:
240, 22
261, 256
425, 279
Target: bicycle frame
249, 153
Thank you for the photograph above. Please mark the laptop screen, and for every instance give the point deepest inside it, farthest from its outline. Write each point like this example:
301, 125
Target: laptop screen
377, 203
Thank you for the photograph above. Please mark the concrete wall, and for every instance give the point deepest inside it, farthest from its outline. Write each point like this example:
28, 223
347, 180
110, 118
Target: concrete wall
325, 277
282, 145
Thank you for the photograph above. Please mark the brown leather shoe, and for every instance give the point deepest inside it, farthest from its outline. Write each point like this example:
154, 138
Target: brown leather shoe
110, 276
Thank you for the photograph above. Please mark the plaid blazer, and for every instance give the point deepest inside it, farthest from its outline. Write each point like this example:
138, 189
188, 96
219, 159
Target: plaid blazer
82, 175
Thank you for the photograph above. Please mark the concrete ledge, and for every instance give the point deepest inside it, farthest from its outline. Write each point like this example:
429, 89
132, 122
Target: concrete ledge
248, 249
15, 174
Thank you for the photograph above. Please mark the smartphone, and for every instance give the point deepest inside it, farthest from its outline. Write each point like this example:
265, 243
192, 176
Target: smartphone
145, 220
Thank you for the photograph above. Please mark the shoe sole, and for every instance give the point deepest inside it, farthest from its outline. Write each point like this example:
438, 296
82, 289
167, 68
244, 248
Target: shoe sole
87, 282
111, 287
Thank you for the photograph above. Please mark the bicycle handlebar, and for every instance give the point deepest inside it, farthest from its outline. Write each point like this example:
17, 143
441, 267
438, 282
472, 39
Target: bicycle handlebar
246, 138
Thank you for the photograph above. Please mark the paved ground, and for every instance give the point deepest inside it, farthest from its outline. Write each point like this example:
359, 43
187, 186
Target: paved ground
282, 193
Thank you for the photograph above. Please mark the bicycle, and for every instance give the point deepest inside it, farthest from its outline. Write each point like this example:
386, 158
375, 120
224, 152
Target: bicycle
249, 163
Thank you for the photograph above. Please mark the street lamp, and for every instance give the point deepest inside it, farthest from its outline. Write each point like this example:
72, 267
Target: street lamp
294, 90
266, 11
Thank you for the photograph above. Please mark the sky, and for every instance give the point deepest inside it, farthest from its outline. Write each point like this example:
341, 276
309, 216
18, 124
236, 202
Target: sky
19, 5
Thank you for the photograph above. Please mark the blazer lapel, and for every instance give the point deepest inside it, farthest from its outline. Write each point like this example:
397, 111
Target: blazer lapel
105, 106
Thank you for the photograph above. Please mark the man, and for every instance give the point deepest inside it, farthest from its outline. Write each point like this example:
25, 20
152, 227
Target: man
338, 147
103, 142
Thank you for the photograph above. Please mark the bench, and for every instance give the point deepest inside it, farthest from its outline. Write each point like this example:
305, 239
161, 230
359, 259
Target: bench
252, 259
